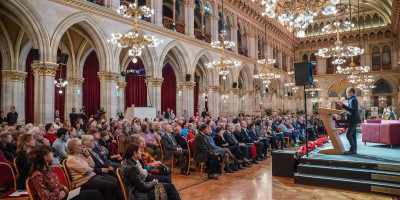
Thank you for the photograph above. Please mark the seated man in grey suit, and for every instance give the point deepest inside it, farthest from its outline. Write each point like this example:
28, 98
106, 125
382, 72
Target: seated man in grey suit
171, 148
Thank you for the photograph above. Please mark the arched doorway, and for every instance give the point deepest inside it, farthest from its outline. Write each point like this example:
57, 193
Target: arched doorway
168, 89
136, 89
91, 86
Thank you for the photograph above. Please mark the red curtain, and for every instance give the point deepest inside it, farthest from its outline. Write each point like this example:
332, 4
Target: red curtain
1, 69
168, 89
91, 85
59, 98
136, 89
195, 94
29, 91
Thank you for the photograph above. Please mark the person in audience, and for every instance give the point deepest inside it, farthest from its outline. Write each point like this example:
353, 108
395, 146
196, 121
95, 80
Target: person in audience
73, 116
190, 136
133, 176
12, 116
167, 114
78, 127
57, 123
67, 124
5, 160
80, 167
45, 181
230, 137
180, 139
172, 148
294, 134
20, 128
152, 146
260, 133
251, 139
60, 144
219, 140
100, 166
111, 160
6, 146
56, 114
223, 152
25, 145
38, 136
274, 136
150, 164
3, 118
203, 153
50, 133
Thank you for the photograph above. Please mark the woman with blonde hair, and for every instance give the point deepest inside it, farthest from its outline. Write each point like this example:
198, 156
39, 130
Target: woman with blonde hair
80, 167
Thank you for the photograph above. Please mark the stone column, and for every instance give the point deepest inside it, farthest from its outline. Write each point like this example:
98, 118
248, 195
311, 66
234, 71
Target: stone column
73, 96
113, 4
187, 97
202, 100
213, 100
13, 89
189, 18
250, 46
234, 102
121, 96
214, 28
247, 102
234, 37
157, 17
256, 48
154, 96
321, 65
44, 91
108, 92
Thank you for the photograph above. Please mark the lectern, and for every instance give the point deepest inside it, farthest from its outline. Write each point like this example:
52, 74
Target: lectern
337, 145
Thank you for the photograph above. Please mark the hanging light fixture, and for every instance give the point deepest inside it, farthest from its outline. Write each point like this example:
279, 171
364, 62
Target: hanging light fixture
61, 83
134, 40
339, 51
224, 64
264, 73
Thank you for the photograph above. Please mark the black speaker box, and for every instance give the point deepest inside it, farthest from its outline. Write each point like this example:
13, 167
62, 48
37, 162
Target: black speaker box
187, 77
35, 54
197, 79
284, 163
240, 85
234, 85
303, 73
64, 59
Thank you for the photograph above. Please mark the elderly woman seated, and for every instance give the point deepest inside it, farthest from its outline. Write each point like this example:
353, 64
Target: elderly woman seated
134, 179
80, 167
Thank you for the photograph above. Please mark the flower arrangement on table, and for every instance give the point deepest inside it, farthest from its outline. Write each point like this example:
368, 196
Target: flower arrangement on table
313, 145
342, 131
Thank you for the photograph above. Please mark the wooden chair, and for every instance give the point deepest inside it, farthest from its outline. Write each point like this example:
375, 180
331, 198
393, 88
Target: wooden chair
7, 178
67, 176
121, 183
31, 190
162, 157
16, 169
191, 159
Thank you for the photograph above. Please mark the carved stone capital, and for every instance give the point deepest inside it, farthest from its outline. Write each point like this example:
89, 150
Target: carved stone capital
76, 81
190, 5
108, 76
155, 81
216, 18
14, 75
121, 85
188, 85
235, 91
213, 88
45, 69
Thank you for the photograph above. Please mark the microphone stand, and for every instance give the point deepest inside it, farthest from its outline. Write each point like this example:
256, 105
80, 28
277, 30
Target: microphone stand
306, 120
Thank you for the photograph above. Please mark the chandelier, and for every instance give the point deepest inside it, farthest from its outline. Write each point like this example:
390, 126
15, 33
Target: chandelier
61, 83
292, 84
134, 40
224, 97
313, 90
224, 64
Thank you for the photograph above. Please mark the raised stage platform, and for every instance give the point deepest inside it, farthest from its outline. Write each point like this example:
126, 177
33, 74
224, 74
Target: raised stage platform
376, 168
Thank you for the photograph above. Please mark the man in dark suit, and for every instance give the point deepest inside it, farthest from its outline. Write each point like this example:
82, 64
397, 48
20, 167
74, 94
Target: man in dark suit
230, 137
202, 153
353, 118
172, 148
167, 114
12, 116
100, 165
73, 116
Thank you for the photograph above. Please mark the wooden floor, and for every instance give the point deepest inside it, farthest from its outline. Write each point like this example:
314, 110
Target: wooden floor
257, 182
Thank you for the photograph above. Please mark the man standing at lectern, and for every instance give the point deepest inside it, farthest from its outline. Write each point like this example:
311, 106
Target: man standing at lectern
353, 118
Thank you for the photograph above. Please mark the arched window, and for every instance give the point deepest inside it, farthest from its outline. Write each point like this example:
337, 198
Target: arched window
358, 93
313, 59
284, 62
305, 58
333, 94
376, 58
386, 57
